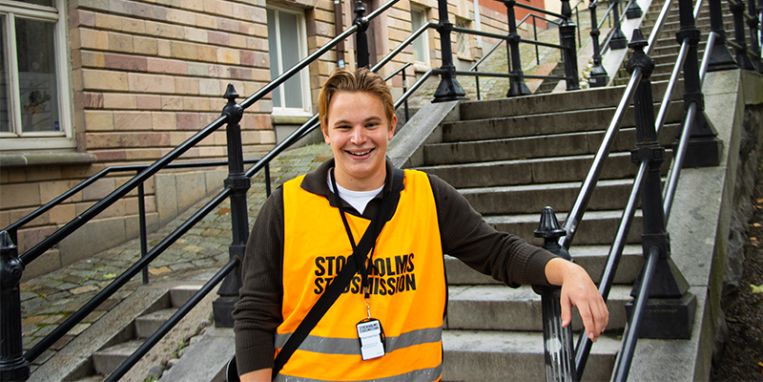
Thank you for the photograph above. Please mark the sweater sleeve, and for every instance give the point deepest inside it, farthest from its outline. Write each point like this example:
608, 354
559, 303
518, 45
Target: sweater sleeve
257, 313
466, 236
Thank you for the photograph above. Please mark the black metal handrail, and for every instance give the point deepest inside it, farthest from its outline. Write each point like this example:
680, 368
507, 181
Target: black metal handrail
584, 344
26, 219
577, 211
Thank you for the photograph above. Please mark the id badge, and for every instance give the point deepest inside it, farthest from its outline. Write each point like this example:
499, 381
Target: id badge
371, 338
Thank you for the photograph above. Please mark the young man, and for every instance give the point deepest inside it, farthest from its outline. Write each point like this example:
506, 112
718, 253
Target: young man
388, 321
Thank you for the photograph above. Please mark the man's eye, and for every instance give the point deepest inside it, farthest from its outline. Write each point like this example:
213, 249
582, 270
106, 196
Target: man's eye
372, 125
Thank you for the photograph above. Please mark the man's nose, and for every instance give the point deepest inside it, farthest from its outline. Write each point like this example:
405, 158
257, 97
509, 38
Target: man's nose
358, 135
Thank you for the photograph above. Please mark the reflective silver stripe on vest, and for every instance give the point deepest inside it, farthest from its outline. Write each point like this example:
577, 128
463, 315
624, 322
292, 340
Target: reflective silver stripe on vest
350, 346
423, 375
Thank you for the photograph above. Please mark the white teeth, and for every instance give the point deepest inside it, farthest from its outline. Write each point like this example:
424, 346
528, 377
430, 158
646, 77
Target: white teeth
360, 154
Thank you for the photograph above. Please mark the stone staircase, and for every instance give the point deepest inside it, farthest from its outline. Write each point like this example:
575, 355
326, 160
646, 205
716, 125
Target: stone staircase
510, 158
666, 47
123, 344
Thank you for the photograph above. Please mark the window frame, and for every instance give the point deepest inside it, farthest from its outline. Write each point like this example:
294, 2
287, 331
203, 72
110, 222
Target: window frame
424, 37
16, 139
304, 74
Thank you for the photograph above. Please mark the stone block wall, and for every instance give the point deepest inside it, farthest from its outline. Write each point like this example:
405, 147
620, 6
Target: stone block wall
146, 75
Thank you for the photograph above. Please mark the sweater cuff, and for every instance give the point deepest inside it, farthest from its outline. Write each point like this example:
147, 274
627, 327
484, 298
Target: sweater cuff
254, 350
536, 267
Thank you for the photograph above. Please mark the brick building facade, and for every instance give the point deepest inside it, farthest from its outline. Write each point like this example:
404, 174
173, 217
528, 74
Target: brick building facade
89, 84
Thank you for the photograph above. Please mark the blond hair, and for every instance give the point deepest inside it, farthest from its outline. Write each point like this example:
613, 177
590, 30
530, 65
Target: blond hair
360, 80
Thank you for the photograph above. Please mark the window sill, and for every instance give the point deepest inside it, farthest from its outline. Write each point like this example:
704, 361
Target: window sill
41, 158
289, 119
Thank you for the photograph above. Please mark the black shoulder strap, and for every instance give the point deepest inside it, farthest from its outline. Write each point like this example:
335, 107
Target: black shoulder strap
334, 290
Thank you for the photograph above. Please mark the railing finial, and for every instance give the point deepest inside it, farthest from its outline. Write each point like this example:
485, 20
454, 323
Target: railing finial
231, 94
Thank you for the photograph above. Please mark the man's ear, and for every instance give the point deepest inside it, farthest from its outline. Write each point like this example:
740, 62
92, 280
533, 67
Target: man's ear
325, 132
392, 127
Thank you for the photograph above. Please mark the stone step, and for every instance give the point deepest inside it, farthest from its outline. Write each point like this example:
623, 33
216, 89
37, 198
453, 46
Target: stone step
538, 170
518, 356
530, 147
147, 324
525, 199
597, 227
545, 103
548, 123
107, 360
591, 257
498, 307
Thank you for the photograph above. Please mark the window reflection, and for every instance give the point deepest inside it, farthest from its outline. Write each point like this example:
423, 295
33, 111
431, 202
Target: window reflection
37, 75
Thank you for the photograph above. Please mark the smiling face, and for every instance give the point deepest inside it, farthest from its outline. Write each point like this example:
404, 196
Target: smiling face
358, 131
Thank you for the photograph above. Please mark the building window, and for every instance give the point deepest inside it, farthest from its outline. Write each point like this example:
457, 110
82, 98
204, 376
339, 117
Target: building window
421, 43
463, 47
287, 43
34, 98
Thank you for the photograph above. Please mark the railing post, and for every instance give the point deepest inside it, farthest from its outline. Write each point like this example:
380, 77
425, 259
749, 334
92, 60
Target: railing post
557, 340
598, 76
238, 184
670, 308
720, 57
737, 9
517, 84
13, 365
449, 89
704, 147
618, 40
754, 25
569, 53
361, 40
633, 11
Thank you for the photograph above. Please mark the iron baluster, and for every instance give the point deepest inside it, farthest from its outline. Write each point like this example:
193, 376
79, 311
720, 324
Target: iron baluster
517, 85
361, 40
663, 306
754, 24
569, 52
598, 76
267, 179
449, 89
238, 183
618, 40
405, 104
633, 11
720, 57
557, 340
535, 37
737, 9
704, 147
142, 224
13, 365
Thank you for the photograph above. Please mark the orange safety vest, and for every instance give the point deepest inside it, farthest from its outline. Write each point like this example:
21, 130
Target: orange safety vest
408, 290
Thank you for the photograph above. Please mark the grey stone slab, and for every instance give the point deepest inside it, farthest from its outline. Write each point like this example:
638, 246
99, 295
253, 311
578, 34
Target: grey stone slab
107, 360
147, 324
497, 307
498, 356
205, 359
423, 127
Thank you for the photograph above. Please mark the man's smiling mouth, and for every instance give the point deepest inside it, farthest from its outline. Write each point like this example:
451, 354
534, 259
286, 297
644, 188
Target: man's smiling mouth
359, 153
